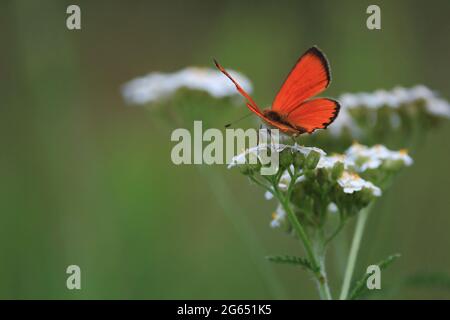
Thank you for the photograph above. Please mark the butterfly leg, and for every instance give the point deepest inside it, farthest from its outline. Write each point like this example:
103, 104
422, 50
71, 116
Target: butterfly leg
293, 140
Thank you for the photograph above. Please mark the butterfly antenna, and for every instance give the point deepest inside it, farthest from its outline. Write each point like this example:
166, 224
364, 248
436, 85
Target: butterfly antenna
235, 121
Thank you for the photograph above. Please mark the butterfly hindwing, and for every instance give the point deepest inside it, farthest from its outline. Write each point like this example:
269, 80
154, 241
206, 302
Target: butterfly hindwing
314, 114
310, 76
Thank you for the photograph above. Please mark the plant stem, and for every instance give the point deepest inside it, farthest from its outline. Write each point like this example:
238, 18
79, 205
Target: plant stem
322, 283
359, 230
301, 233
319, 273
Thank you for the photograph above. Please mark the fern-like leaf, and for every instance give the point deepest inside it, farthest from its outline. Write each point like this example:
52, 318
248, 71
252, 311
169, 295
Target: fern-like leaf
360, 287
292, 260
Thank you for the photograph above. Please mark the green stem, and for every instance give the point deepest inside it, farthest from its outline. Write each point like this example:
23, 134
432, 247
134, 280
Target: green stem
301, 233
359, 230
319, 273
322, 283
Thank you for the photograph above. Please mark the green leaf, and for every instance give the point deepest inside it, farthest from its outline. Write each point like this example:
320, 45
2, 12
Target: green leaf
298, 261
360, 287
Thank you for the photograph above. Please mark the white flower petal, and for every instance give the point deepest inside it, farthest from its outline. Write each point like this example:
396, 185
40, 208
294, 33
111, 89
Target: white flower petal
351, 183
328, 162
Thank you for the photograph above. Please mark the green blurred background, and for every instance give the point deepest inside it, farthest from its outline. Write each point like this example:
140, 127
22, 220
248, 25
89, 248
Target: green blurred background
87, 180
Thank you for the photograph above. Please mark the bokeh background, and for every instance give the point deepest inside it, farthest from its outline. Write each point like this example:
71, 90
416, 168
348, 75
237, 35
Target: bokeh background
87, 180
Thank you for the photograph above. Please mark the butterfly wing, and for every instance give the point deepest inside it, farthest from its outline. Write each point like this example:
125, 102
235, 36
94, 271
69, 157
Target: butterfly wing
310, 76
314, 114
251, 104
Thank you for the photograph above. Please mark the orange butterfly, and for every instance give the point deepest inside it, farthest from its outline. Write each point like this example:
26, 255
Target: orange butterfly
293, 112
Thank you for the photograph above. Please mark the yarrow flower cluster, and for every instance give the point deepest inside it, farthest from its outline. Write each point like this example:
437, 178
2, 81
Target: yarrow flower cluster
158, 86
312, 187
365, 158
396, 98
318, 182
392, 117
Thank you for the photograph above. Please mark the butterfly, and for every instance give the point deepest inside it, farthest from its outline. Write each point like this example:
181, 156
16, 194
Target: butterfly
293, 111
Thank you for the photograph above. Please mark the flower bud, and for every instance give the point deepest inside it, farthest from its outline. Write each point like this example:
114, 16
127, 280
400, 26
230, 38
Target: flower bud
322, 176
312, 160
286, 158
337, 170
299, 159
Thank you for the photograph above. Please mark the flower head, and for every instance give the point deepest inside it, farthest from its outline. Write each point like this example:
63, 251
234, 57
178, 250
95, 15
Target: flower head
362, 112
351, 182
328, 162
373, 157
253, 154
157, 85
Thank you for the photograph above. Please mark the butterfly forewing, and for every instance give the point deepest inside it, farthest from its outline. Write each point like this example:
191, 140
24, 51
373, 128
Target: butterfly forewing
309, 77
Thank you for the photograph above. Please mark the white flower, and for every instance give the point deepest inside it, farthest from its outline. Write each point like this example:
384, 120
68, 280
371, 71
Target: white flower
373, 157
278, 217
328, 162
332, 207
261, 149
349, 100
345, 120
351, 182
156, 85
305, 150
285, 178
438, 107
421, 92
396, 97
268, 195
254, 153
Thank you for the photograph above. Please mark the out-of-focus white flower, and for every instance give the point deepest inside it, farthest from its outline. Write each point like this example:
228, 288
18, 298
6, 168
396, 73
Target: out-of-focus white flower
373, 157
399, 96
157, 85
396, 97
332, 207
351, 182
438, 107
328, 162
421, 92
345, 120
268, 195
349, 100
278, 217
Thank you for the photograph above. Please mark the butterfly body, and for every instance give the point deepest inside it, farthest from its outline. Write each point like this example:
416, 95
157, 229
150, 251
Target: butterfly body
274, 119
293, 111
